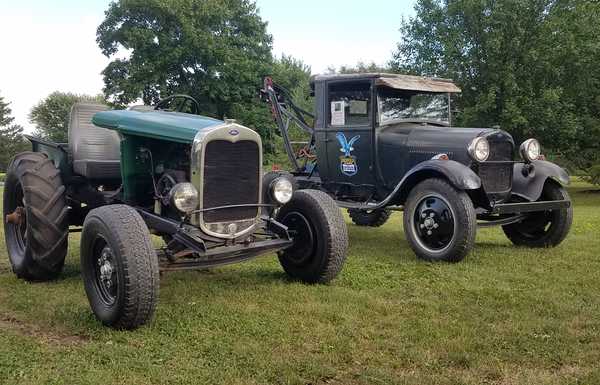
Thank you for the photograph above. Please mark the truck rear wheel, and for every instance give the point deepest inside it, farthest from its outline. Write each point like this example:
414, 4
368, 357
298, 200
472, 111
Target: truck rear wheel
320, 237
372, 218
119, 267
545, 228
35, 212
439, 221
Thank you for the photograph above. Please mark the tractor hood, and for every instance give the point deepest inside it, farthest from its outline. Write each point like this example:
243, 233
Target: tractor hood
171, 126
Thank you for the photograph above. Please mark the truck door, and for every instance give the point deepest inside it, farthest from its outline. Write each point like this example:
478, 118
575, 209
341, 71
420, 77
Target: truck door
349, 132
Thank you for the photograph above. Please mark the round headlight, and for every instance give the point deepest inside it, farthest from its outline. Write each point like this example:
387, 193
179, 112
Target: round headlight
185, 197
479, 149
530, 150
282, 190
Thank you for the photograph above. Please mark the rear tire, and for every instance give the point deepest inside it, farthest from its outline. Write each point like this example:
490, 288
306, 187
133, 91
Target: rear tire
373, 218
320, 237
439, 221
119, 267
38, 246
546, 228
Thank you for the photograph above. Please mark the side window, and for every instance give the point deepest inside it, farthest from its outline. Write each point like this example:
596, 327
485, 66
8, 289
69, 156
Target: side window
350, 104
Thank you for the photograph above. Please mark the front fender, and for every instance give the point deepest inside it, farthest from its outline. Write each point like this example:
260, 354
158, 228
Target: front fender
529, 185
459, 175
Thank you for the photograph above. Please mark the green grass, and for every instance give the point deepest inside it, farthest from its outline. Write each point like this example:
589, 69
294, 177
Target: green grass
505, 315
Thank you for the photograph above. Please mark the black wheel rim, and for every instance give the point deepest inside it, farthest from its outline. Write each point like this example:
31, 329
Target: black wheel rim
433, 223
106, 279
302, 251
536, 225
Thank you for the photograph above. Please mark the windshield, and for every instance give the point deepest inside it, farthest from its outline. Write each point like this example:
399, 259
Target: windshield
396, 105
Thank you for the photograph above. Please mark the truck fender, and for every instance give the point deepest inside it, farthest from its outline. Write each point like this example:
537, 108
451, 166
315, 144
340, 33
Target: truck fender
459, 175
529, 179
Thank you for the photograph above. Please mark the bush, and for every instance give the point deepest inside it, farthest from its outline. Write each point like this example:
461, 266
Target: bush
593, 175
2, 175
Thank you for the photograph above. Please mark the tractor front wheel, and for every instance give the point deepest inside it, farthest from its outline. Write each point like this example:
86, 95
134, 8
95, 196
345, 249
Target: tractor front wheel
119, 267
320, 237
36, 227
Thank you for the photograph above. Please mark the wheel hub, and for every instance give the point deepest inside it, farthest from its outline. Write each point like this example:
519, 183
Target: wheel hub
304, 241
106, 271
434, 222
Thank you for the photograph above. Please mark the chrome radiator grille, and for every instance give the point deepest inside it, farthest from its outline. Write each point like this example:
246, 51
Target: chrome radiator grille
231, 177
497, 177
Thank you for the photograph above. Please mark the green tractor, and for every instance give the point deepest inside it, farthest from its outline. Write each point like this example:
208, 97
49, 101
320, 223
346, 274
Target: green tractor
194, 181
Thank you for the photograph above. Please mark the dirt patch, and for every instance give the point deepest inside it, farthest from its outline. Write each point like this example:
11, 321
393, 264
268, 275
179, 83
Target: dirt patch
44, 336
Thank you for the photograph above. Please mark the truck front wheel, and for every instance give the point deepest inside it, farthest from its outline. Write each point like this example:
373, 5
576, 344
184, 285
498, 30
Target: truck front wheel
119, 267
545, 228
320, 237
439, 221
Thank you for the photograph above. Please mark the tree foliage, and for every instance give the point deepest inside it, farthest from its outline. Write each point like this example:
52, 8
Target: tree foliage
530, 66
11, 136
51, 115
217, 51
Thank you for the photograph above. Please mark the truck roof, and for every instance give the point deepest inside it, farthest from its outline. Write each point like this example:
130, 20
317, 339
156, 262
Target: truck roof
396, 81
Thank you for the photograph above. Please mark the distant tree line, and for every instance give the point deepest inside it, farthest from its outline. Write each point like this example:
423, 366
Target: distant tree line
528, 66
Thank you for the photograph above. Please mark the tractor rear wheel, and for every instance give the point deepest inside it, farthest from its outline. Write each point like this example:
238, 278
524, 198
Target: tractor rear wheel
35, 212
372, 218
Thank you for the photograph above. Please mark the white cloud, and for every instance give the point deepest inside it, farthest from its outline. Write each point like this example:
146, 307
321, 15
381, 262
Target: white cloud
43, 54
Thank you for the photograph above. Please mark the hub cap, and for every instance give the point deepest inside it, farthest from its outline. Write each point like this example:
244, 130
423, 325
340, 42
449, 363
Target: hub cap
433, 223
106, 277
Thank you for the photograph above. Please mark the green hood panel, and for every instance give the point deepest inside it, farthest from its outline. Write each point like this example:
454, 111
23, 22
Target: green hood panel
171, 126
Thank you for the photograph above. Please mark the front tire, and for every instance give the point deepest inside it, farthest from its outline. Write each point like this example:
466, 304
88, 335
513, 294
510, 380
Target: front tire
439, 221
546, 228
119, 267
320, 237
372, 218
34, 196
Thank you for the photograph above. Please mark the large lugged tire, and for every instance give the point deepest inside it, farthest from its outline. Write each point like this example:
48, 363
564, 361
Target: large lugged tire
439, 221
546, 228
37, 243
373, 218
320, 237
119, 266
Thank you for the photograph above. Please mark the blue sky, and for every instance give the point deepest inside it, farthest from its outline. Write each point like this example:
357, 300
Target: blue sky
51, 45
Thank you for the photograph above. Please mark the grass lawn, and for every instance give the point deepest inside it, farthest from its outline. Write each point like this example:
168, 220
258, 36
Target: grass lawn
504, 315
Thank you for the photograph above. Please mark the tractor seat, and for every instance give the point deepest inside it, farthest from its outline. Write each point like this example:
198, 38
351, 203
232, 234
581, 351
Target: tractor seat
96, 151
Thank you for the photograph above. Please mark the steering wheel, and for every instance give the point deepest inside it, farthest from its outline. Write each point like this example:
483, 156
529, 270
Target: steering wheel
163, 104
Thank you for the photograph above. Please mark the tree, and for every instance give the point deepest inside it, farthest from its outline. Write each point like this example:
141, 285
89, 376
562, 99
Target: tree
11, 136
361, 68
529, 66
215, 51
5, 113
12, 142
51, 115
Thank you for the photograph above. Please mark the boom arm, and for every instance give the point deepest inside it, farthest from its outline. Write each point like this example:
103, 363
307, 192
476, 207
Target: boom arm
285, 111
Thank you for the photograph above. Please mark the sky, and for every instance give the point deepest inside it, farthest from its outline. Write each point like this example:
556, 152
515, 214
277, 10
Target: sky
48, 46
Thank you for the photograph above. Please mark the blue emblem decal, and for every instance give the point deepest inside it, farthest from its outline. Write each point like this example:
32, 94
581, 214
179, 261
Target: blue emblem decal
234, 132
348, 164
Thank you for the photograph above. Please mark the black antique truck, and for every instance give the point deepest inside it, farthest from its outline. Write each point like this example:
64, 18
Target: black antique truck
379, 142
196, 182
